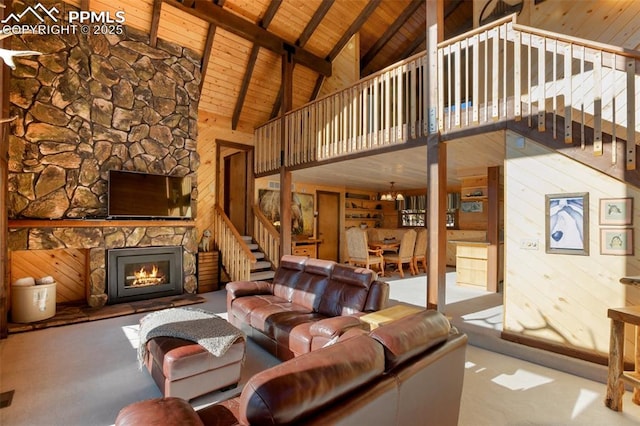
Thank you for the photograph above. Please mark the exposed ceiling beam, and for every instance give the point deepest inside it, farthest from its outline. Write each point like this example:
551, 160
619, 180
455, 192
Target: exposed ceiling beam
353, 28
253, 56
155, 22
308, 31
390, 32
313, 23
206, 53
228, 21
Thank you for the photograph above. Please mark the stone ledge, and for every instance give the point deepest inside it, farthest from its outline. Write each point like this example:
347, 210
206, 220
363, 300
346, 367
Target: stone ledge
74, 313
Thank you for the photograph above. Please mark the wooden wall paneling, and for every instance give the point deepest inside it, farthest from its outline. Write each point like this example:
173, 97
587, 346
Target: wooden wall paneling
138, 12
67, 266
182, 28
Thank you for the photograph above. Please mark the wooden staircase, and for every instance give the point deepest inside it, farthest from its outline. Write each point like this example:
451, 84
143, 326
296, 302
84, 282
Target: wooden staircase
262, 269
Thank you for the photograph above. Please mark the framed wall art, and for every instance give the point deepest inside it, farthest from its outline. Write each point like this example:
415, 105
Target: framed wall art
616, 241
302, 213
567, 223
616, 211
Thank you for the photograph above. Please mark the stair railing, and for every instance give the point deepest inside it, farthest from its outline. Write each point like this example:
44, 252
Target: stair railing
500, 71
267, 236
235, 253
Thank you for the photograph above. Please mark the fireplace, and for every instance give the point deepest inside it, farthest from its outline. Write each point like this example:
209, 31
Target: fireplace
143, 273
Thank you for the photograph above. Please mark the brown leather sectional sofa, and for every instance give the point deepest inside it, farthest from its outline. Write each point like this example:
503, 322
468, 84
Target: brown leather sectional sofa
408, 372
309, 303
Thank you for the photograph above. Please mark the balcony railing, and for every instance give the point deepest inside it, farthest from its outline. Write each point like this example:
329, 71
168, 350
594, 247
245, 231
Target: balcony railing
498, 72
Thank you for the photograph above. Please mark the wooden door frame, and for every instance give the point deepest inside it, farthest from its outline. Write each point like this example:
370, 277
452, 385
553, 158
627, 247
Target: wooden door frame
338, 217
249, 201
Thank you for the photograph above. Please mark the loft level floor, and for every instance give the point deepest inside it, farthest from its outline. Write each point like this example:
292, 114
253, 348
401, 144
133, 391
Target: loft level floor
77, 313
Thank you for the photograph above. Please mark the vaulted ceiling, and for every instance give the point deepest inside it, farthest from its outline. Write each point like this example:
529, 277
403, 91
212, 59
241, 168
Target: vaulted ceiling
242, 43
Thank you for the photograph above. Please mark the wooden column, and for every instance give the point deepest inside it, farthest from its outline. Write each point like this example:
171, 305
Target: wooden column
285, 175
436, 166
493, 227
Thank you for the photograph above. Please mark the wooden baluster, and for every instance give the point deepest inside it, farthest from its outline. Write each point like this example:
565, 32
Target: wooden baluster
541, 84
486, 76
450, 77
517, 75
568, 93
583, 79
529, 73
440, 92
597, 103
465, 48
475, 115
495, 73
505, 60
457, 71
554, 81
631, 114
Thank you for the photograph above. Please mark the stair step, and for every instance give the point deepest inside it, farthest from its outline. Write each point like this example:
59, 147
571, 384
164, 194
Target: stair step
258, 255
253, 247
247, 238
262, 276
261, 265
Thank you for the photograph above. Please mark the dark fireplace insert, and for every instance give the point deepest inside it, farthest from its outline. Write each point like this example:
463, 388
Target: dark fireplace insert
143, 273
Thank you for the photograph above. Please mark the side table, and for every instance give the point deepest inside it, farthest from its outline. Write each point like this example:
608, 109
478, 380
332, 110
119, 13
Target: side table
617, 376
384, 316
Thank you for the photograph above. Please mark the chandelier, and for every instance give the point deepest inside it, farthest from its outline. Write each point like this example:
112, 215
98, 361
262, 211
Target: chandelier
392, 195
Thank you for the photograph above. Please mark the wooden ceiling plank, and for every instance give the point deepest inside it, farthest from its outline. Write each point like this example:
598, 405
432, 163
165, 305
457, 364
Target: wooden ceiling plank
354, 28
155, 22
246, 80
315, 20
214, 14
390, 32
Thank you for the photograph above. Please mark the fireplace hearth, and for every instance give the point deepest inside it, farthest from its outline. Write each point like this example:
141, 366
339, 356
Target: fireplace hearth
142, 273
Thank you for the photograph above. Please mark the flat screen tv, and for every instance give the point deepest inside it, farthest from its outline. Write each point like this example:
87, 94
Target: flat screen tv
145, 195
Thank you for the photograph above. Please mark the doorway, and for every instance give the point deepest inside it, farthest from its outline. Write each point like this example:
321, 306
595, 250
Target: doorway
328, 225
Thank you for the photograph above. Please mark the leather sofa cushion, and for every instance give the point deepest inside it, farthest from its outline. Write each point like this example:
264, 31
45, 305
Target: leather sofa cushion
302, 280
290, 269
286, 392
265, 318
159, 411
180, 358
347, 291
409, 336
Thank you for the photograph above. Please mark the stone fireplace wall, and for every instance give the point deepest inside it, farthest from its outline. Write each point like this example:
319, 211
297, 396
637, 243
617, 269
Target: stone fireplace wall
94, 103
89, 104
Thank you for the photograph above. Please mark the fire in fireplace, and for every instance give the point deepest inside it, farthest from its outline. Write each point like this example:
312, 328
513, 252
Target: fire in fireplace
143, 273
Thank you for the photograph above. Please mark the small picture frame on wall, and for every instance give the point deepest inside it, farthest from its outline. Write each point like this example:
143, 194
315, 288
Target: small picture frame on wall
567, 223
616, 241
616, 211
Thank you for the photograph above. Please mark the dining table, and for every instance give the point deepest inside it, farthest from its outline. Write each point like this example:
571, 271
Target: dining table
385, 245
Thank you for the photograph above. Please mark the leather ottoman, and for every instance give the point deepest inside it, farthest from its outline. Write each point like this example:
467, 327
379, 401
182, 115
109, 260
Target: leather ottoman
185, 369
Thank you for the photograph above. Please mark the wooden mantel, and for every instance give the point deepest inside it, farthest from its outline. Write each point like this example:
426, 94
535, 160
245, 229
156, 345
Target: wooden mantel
95, 223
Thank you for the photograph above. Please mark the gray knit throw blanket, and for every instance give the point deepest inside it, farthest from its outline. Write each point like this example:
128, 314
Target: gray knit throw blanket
207, 329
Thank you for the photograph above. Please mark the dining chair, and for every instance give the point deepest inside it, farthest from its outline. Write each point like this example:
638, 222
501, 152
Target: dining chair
405, 252
420, 250
359, 252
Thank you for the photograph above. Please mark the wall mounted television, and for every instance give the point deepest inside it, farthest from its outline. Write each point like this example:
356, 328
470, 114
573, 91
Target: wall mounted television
145, 195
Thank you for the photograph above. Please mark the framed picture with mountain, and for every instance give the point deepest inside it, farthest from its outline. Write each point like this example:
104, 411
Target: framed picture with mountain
567, 223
